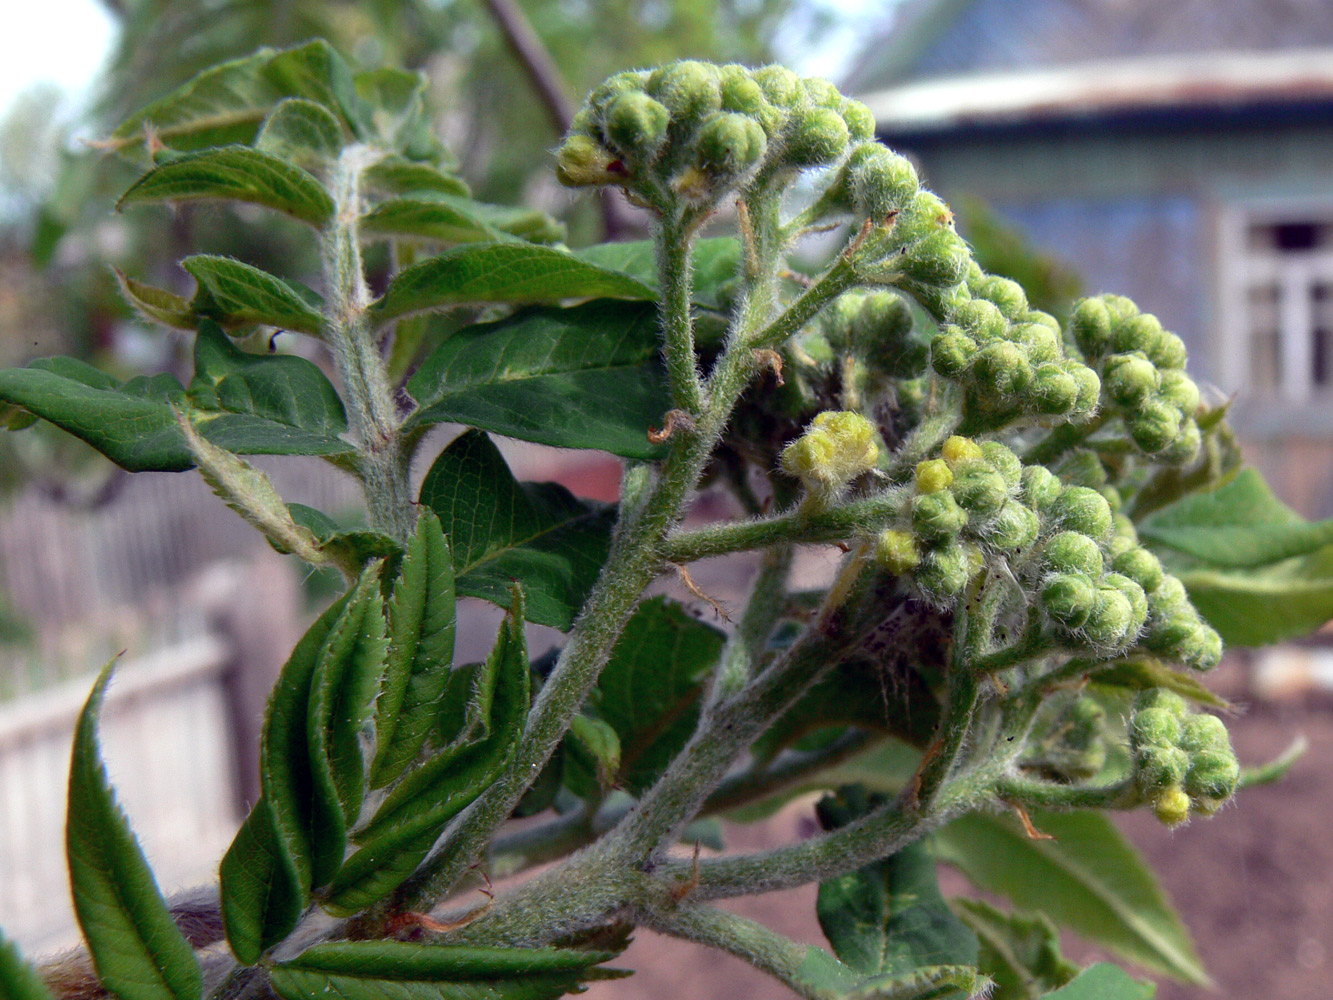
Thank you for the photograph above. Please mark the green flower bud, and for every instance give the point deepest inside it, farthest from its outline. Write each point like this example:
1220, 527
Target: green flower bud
1041, 487
982, 320
1041, 319
1168, 352
1155, 727
837, 447
1015, 528
1069, 599
950, 353
1185, 447
1129, 379
1172, 807
1002, 369
1160, 766
780, 85
1053, 390
933, 475
816, 136
581, 161
614, 86
1119, 308
1212, 777
1112, 618
1089, 388
822, 93
1154, 425
860, 121
1091, 327
1169, 596
584, 122
1204, 732
882, 182
1079, 508
1139, 565
944, 571
981, 492
690, 90
897, 551
1203, 651
1133, 593
1072, 552
937, 516
1003, 461
1042, 343
740, 92
1179, 390
958, 450
1140, 332
636, 124
938, 259
926, 213
1008, 296
1083, 468
1166, 700
730, 143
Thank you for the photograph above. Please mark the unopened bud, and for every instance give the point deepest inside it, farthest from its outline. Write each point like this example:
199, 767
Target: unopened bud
1111, 619
1003, 461
933, 475
816, 136
1040, 487
1014, 528
944, 571
1091, 327
730, 143
937, 516
1129, 379
1154, 425
1139, 565
1069, 598
1172, 807
897, 551
689, 89
951, 353
860, 121
1073, 552
1079, 508
636, 124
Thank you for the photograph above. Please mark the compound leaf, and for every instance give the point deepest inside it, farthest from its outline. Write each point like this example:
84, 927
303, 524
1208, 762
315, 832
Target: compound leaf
136, 948
584, 377
234, 173
501, 531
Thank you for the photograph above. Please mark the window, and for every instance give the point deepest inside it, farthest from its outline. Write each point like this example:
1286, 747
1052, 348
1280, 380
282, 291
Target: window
1277, 317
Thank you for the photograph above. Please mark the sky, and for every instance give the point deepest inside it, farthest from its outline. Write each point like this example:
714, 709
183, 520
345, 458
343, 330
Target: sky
63, 42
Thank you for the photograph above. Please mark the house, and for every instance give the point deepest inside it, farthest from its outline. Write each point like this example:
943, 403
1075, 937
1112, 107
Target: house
1181, 154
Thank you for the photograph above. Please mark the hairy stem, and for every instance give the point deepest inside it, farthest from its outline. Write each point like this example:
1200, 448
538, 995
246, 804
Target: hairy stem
674, 242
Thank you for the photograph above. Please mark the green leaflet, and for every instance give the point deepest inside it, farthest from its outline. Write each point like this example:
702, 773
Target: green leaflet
351, 548
888, 918
649, 690
234, 173
301, 132
1145, 672
501, 531
1104, 981
1238, 525
262, 891
716, 262
156, 304
346, 676
18, 979
400, 833
591, 757
421, 650
372, 970
1019, 951
515, 273
823, 973
136, 948
236, 294
441, 219
292, 838
249, 405
227, 103
395, 175
1088, 879
584, 377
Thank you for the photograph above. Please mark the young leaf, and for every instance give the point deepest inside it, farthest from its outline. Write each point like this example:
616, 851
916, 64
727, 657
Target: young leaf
592, 757
250, 405
370, 970
421, 650
888, 918
156, 304
350, 550
584, 377
346, 675
440, 219
302, 132
649, 690
1238, 525
234, 173
394, 105
1144, 672
400, 834
394, 175
1104, 981
227, 103
136, 948
1019, 951
514, 273
716, 261
18, 979
236, 294
261, 887
1087, 878
502, 531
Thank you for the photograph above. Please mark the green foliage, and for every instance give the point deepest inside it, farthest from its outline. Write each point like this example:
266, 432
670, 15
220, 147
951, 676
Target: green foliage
1042, 524
17, 978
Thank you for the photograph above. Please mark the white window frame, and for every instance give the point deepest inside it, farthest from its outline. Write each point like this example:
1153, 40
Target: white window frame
1294, 275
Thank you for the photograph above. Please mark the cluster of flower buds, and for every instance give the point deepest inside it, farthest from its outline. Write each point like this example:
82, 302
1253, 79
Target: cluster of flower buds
1009, 358
695, 131
1143, 375
1183, 761
835, 449
964, 504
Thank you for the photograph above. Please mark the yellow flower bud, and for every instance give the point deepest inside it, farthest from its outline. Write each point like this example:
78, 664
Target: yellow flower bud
960, 449
933, 475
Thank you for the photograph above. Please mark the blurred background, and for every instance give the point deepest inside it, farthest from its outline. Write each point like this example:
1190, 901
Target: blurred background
1181, 154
